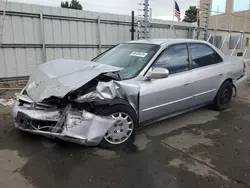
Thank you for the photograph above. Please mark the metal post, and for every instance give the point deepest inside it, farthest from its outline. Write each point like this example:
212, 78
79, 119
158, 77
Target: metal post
198, 24
193, 33
43, 37
214, 35
132, 30
245, 52
210, 36
99, 34
173, 28
232, 23
198, 17
150, 21
2, 23
168, 29
206, 19
216, 27
138, 30
189, 32
245, 25
145, 19
224, 41
236, 45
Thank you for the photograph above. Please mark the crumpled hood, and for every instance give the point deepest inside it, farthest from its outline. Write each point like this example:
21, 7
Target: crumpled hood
59, 77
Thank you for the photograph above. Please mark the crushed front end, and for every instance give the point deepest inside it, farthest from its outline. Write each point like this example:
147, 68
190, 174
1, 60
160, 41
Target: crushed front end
55, 120
62, 97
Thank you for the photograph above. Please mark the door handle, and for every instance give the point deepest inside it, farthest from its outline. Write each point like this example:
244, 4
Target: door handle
186, 84
221, 74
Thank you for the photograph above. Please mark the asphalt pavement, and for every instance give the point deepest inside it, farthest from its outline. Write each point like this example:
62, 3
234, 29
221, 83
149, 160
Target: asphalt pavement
202, 148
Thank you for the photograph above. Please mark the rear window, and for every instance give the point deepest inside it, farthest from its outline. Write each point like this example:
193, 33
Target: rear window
203, 55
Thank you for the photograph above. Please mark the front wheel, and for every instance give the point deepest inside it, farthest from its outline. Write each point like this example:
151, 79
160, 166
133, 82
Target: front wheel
123, 131
224, 96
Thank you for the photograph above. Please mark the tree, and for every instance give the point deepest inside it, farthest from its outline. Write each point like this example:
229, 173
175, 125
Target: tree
65, 4
191, 15
74, 4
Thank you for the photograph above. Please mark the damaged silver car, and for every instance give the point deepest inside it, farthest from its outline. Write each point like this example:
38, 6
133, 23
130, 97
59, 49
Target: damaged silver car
102, 102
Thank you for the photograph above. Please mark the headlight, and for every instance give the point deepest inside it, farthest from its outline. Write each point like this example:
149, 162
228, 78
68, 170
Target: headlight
16, 94
16, 97
23, 90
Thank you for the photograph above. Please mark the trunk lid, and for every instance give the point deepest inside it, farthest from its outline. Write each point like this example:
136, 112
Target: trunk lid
237, 66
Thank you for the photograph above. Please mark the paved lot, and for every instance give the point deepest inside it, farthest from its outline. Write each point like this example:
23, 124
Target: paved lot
203, 148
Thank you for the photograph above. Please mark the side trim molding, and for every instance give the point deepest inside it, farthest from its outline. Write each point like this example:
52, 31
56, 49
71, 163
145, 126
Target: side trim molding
172, 102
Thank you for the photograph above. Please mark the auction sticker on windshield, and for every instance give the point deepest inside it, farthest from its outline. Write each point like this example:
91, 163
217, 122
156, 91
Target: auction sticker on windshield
139, 54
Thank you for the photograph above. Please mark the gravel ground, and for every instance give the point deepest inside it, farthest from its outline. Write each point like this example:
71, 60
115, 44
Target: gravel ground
203, 148
13, 84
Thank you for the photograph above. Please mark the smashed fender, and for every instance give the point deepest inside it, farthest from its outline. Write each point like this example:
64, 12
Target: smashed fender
114, 89
88, 128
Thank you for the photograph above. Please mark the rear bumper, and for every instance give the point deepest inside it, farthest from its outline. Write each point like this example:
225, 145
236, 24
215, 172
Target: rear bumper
240, 83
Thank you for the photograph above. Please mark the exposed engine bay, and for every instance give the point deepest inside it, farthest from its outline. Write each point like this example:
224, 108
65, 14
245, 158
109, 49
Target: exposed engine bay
66, 105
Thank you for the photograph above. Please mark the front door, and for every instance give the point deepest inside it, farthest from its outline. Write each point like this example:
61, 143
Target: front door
161, 97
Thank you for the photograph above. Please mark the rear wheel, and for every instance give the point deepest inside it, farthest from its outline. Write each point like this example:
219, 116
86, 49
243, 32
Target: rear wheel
123, 131
224, 96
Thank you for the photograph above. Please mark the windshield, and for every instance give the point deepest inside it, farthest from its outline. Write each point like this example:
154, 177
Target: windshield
131, 57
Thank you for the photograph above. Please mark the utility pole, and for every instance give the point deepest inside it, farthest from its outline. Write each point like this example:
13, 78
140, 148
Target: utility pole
144, 24
204, 14
150, 21
146, 18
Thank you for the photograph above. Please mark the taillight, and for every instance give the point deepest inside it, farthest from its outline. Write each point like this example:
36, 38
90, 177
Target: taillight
244, 66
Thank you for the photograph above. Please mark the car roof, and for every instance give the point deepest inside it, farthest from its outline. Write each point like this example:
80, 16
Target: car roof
164, 42
167, 42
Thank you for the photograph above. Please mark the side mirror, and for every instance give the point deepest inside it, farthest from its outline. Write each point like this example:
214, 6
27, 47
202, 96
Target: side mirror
157, 73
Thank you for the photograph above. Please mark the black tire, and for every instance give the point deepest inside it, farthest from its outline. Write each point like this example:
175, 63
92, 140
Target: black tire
224, 96
116, 108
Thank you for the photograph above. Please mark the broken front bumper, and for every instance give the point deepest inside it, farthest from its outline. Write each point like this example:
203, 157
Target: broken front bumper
68, 124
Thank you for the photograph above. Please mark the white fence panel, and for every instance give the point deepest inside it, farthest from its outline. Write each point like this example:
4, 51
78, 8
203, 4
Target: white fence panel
29, 39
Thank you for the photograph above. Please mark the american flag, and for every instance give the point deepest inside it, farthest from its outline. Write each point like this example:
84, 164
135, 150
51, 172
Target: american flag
177, 11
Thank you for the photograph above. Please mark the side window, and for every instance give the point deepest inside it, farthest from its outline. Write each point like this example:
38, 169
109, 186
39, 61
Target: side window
174, 58
203, 55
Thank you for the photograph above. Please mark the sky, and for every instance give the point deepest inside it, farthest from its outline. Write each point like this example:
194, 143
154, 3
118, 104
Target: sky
241, 5
161, 9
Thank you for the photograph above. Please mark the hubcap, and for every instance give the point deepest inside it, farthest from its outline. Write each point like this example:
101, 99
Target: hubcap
122, 130
225, 96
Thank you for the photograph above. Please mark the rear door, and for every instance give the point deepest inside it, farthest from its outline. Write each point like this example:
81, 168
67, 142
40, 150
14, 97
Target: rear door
207, 72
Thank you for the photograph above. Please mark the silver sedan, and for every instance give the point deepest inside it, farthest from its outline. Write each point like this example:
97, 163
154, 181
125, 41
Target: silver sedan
102, 102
